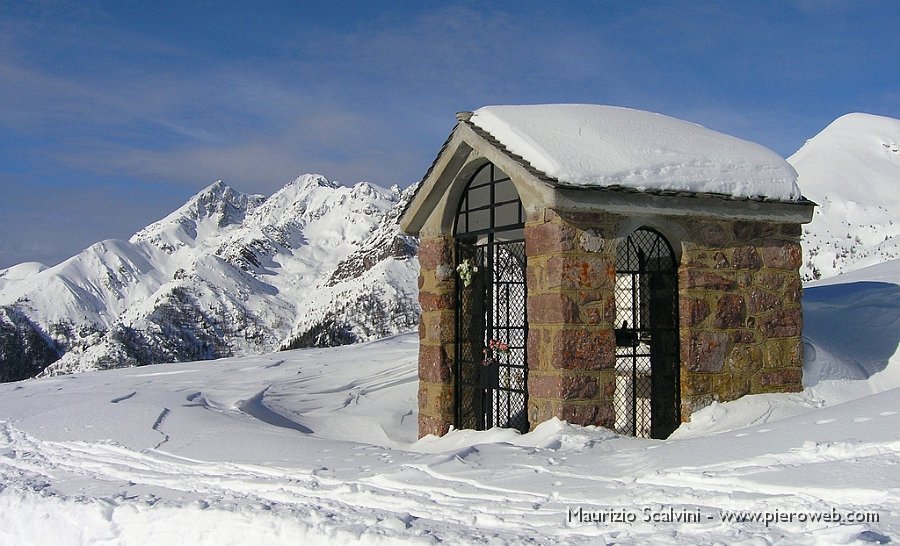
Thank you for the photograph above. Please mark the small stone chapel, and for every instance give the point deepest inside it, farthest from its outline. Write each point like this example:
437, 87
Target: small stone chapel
605, 266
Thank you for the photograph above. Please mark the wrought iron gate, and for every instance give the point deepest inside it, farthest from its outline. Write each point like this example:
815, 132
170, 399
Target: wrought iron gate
647, 346
491, 327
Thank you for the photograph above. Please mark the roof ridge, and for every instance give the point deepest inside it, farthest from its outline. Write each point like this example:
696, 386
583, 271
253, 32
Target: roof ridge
534, 171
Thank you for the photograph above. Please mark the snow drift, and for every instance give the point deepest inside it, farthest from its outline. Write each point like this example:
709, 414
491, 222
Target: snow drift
317, 446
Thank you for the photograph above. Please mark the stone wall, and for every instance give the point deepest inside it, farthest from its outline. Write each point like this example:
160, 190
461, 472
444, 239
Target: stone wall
436, 335
739, 309
740, 313
571, 309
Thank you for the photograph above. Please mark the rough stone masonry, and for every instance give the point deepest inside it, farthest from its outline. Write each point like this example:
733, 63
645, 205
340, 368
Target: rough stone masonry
739, 311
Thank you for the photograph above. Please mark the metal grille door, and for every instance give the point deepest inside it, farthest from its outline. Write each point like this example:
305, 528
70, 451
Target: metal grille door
491, 329
647, 359
491, 385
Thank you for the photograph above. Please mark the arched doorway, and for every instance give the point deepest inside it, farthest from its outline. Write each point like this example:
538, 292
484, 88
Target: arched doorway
491, 326
647, 344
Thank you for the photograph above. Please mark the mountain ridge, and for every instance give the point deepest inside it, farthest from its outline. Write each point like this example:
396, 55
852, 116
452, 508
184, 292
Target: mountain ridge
319, 264
225, 274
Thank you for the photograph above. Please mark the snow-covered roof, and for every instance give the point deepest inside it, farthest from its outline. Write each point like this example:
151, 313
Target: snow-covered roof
587, 145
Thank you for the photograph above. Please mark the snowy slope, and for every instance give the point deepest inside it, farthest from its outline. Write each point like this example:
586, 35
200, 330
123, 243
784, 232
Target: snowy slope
317, 446
852, 170
20, 272
225, 274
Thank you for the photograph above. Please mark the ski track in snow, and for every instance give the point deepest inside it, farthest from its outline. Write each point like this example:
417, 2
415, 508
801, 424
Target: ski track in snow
221, 485
318, 447
419, 492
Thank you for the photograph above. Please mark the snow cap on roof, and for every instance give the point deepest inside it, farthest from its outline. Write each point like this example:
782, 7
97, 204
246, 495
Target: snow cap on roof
591, 145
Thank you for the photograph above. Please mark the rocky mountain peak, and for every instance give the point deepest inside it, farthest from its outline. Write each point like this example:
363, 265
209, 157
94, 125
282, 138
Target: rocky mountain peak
313, 180
362, 190
213, 208
225, 274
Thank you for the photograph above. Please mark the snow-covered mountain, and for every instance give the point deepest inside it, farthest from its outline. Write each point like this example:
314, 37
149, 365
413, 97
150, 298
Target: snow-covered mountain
226, 274
852, 170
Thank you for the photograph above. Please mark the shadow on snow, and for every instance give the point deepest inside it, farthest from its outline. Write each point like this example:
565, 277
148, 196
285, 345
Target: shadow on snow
858, 326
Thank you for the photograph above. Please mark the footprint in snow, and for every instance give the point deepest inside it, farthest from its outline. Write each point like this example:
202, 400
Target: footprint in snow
121, 398
394, 524
196, 400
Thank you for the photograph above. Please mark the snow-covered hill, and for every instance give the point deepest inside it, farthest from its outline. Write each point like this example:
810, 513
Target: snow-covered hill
318, 446
226, 274
852, 170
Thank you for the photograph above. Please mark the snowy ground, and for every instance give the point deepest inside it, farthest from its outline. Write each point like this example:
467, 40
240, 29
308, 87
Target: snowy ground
318, 447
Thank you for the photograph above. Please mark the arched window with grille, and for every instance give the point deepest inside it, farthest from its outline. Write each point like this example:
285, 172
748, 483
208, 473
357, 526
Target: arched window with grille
491, 325
647, 343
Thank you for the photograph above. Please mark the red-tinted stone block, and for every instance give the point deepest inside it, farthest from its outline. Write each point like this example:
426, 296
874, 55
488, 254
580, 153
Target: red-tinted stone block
553, 308
705, 351
435, 365
692, 311
730, 311
692, 278
549, 238
434, 252
782, 323
583, 349
429, 301
746, 257
782, 255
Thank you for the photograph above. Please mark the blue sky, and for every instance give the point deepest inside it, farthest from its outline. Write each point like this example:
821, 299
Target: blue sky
112, 114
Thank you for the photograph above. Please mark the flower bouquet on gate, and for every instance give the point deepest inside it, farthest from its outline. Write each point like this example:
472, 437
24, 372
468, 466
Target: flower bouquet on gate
466, 270
495, 347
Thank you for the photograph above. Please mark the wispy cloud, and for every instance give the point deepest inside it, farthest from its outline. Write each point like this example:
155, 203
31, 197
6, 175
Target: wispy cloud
171, 96
330, 103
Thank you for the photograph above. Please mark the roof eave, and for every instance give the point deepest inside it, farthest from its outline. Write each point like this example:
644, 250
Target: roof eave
417, 209
672, 193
